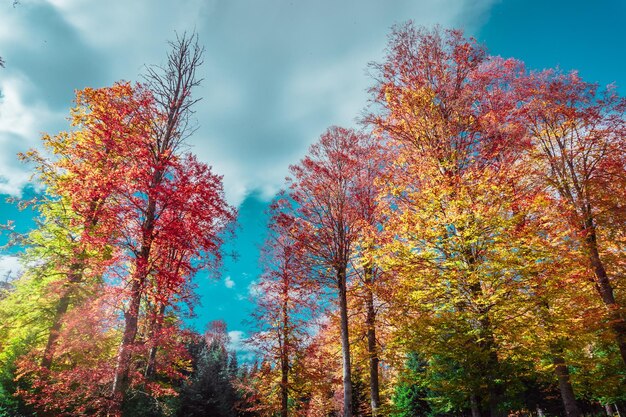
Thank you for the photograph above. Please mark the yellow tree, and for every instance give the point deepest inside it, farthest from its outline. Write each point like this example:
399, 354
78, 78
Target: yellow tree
457, 201
579, 155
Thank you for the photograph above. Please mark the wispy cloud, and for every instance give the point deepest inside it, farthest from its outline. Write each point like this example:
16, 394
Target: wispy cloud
238, 343
273, 80
228, 282
10, 267
253, 289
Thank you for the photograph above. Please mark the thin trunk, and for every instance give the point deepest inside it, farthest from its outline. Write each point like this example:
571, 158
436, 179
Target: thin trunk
492, 365
55, 329
492, 368
371, 339
57, 322
122, 367
474, 405
494, 388
284, 385
284, 354
131, 316
605, 289
565, 386
154, 331
345, 343
488, 345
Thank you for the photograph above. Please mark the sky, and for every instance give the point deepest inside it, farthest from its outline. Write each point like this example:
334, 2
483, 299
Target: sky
277, 73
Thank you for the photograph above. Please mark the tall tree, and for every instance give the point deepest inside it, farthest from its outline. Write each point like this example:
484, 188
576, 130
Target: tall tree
285, 301
131, 217
174, 202
326, 188
80, 181
577, 133
70, 250
373, 217
454, 196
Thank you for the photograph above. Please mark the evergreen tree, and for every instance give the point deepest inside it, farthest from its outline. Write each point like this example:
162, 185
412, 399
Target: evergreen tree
210, 390
410, 394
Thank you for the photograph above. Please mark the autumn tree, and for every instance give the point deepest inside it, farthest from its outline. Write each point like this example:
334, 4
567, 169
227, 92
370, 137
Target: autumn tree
285, 302
174, 203
80, 181
577, 133
326, 188
456, 199
129, 219
372, 215
69, 251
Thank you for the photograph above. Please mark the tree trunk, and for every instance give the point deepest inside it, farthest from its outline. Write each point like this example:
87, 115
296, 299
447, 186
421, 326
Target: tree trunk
284, 385
371, 339
55, 329
474, 405
284, 354
345, 343
122, 367
494, 388
604, 287
131, 316
64, 302
565, 386
492, 366
154, 331
488, 345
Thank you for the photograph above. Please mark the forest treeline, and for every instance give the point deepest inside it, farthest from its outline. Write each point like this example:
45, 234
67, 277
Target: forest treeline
463, 253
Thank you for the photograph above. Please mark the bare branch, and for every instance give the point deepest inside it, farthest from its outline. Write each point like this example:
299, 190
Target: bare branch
172, 85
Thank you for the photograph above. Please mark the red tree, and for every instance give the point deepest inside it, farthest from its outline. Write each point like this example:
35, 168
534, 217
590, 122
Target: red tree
327, 187
174, 203
285, 302
578, 135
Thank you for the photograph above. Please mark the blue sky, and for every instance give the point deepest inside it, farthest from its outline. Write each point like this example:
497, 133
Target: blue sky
276, 74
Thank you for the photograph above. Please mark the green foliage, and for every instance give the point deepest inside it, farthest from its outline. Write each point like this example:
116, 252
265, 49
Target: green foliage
599, 374
410, 398
10, 404
210, 390
138, 404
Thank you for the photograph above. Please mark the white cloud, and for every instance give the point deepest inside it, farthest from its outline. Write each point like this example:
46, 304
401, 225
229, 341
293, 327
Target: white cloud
276, 74
236, 340
19, 121
95, 20
10, 266
239, 343
254, 289
228, 282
